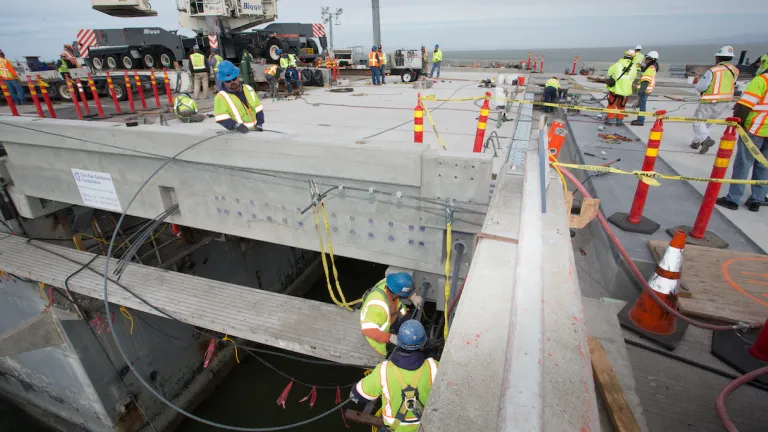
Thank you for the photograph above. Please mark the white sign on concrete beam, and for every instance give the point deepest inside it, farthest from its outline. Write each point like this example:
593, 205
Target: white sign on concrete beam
96, 189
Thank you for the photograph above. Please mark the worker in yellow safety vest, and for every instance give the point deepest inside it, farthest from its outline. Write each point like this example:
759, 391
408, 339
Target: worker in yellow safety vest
237, 106
12, 80
716, 89
752, 110
382, 65
382, 308
638, 57
437, 60
271, 75
647, 84
403, 382
199, 73
373, 65
621, 75
213, 62
63, 67
288, 64
761, 64
551, 86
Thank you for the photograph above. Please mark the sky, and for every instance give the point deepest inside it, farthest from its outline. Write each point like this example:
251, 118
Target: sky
41, 27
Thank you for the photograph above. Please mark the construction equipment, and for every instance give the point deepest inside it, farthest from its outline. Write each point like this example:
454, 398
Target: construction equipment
219, 24
406, 63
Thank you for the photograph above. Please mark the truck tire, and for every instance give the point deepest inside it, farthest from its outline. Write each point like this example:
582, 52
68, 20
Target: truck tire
166, 59
111, 62
98, 63
120, 92
270, 52
312, 44
63, 91
127, 61
409, 75
149, 60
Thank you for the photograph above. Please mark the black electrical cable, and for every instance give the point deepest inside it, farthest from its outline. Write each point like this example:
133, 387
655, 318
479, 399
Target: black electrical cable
10, 230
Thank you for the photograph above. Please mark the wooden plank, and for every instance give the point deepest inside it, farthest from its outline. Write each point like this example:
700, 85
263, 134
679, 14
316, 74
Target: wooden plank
721, 284
610, 389
309, 327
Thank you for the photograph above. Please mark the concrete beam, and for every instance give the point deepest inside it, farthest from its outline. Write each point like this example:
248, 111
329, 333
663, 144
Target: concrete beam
31, 335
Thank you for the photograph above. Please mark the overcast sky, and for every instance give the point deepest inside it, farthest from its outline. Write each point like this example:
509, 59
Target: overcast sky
41, 27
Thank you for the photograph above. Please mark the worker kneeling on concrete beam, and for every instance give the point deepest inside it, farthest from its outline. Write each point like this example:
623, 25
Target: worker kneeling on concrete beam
237, 106
403, 382
383, 312
185, 109
550, 92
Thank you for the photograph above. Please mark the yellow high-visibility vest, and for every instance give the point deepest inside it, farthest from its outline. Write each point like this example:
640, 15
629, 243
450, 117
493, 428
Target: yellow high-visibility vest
552, 82
723, 81
649, 76
198, 62
7, 72
755, 97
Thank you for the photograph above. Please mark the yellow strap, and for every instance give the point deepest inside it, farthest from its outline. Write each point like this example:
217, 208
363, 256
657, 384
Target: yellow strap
343, 303
448, 244
127, 315
226, 338
562, 178
434, 128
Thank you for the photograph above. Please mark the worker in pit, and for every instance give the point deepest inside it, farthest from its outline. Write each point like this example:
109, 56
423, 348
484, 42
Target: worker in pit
437, 59
288, 64
638, 57
213, 62
551, 87
383, 312
271, 74
12, 80
382, 65
761, 64
237, 106
424, 60
403, 382
621, 75
63, 67
752, 111
199, 73
373, 64
246, 70
185, 109
647, 83
716, 88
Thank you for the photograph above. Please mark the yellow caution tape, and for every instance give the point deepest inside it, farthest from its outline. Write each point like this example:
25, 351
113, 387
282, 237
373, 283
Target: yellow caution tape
756, 153
649, 177
434, 128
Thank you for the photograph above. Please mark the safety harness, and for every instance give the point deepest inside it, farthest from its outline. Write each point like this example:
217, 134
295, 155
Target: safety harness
410, 396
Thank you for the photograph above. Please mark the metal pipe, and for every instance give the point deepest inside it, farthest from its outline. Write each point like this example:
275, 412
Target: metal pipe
376, 22
155, 249
459, 249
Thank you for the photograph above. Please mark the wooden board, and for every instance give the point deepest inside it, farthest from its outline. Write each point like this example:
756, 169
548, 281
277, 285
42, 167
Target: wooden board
721, 284
610, 389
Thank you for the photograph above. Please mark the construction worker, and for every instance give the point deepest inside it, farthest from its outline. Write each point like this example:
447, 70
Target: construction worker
752, 110
382, 308
716, 88
373, 65
382, 65
761, 64
424, 60
638, 57
621, 75
199, 73
551, 87
185, 109
403, 382
213, 62
647, 83
12, 80
246, 71
437, 59
288, 64
271, 74
63, 67
237, 106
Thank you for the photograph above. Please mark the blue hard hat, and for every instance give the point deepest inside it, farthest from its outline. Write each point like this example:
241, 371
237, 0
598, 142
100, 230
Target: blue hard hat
400, 284
411, 336
227, 71
437, 46
373, 48
279, 51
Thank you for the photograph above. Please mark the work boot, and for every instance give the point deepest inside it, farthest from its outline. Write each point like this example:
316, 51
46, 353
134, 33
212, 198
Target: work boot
752, 205
619, 122
610, 122
725, 202
637, 123
695, 145
706, 144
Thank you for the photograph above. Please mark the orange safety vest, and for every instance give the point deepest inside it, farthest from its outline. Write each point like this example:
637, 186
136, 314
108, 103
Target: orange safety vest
272, 70
328, 63
724, 78
7, 72
373, 58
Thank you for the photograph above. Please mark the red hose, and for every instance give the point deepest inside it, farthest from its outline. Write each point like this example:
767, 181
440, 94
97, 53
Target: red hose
733, 385
639, 275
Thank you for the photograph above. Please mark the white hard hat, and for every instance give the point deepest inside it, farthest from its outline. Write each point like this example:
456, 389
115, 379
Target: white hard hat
638, 47
726, 51
629, 53
653, 54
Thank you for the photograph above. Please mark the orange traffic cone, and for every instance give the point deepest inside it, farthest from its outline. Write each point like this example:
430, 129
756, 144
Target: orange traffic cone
649, 319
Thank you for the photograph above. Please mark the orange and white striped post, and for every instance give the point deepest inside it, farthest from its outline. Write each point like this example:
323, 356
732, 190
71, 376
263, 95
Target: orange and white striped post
35, 100
575, 61
44, 91
83, 97
167, 87
482, 121
95, 94
111, 87
535, 62
8, 98
129, 90
541, 68
73, 93
153, 80
141, 90
722, 160
418, 122
528, 67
